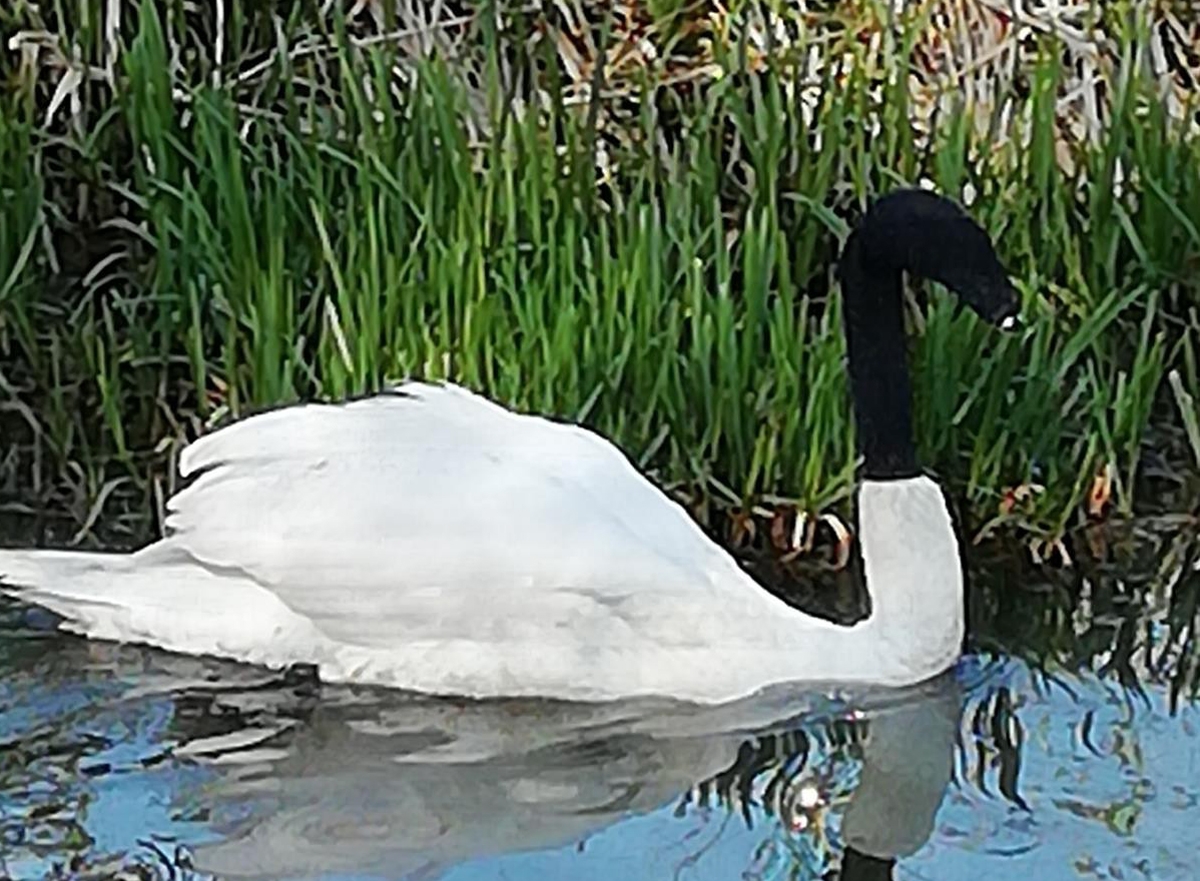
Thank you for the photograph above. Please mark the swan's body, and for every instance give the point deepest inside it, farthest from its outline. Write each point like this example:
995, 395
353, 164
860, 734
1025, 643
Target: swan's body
436, 541
432, 540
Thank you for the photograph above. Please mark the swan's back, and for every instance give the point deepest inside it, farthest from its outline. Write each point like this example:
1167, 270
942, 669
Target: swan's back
430, 513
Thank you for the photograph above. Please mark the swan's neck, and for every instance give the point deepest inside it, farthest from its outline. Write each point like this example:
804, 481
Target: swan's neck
873, 319
913, 574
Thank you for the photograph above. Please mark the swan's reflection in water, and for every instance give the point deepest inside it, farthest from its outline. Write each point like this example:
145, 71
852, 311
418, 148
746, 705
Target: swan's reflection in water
104, 746
1082, 774
399, 786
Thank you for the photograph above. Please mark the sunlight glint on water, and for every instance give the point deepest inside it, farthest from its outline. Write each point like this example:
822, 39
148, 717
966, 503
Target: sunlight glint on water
107, 747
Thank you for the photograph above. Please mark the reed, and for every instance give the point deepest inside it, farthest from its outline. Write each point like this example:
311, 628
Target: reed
190, 243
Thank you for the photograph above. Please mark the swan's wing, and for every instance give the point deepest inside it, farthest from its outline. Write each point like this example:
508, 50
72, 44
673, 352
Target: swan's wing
433, 511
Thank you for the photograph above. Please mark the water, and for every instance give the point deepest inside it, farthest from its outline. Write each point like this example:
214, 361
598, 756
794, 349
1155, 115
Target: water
125, 762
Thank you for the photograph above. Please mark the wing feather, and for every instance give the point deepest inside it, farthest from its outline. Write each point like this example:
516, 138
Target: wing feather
433, 513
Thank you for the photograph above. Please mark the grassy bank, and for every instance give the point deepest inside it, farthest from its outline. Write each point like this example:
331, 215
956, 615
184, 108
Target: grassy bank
191, 232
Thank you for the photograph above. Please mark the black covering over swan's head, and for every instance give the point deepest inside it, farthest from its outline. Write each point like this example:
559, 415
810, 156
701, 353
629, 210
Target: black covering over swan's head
926, 235
932, 237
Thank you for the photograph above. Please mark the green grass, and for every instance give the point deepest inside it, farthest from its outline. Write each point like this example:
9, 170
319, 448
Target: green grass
222, 252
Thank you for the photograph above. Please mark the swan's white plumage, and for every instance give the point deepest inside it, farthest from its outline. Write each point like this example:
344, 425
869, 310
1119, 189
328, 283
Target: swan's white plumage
430, 539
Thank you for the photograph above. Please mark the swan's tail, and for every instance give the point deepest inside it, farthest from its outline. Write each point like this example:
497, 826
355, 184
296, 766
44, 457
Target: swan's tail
91, 591
37, 568
59, 580
160, 597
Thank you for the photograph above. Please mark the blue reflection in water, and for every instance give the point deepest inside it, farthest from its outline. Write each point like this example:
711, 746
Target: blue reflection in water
107, 746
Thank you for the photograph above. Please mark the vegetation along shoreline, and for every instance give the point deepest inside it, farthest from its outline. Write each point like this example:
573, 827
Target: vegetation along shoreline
204, 217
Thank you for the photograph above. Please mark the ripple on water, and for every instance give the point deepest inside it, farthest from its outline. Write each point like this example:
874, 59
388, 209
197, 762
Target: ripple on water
105, 747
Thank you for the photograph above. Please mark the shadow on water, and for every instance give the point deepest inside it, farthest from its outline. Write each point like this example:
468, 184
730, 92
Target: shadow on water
1065, 746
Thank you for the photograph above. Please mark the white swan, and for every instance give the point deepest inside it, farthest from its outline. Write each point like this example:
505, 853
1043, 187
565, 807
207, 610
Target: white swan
428, 539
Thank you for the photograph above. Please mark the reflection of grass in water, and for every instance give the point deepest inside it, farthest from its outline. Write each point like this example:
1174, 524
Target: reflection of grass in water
1125, 612
795, 777
45, 800
68, 732
316, 227
800, 779
150, 863
774, 777
768, 770
776, 774
49, 822
1125, 616
43, 771
1128, 610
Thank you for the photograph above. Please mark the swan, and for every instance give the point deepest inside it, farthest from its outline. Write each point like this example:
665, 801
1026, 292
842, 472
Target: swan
428, 539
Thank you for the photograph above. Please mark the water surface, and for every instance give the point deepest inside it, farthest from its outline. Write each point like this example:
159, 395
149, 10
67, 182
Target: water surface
1080, 759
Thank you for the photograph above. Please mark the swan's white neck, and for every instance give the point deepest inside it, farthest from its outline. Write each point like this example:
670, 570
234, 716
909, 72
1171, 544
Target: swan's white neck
913, 574
914, 578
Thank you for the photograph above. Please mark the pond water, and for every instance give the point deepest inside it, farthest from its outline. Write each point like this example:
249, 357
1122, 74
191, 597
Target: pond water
1081, 760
